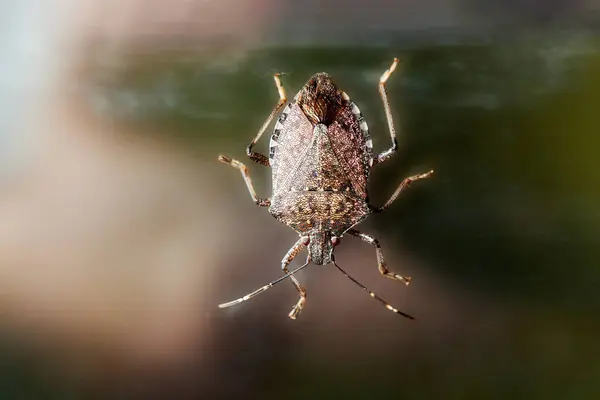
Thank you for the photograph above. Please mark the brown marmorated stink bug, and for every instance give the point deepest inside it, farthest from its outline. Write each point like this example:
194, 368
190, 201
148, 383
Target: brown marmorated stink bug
321, 156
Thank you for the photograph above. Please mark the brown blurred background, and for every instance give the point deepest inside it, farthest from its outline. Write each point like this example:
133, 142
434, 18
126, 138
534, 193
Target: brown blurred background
120, 233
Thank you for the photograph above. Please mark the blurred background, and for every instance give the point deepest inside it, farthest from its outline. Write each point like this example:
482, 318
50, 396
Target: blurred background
120, 233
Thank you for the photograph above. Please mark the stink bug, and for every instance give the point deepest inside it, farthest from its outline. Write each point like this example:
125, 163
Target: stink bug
321, 156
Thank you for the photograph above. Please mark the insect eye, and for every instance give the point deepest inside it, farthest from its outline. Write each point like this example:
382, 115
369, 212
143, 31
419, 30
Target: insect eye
335, 240
305, 240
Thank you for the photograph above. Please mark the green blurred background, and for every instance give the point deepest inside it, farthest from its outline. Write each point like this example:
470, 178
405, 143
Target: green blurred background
509, 119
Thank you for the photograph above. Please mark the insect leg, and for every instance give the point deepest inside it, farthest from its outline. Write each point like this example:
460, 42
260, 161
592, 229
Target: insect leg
262, 289
380, 261
404, 184
291, 254
383, 156
244, 170
373, 295
257, 157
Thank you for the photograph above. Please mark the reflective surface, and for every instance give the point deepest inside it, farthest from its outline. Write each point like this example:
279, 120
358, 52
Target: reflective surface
502, 243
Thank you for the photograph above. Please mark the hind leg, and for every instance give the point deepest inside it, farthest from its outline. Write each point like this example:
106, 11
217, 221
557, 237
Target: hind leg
258, 157
384, 155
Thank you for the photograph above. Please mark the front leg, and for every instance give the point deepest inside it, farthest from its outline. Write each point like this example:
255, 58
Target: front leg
300, 244
244, 170
380, 261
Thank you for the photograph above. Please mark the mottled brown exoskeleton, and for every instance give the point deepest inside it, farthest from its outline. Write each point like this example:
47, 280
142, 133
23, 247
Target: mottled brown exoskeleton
321, 156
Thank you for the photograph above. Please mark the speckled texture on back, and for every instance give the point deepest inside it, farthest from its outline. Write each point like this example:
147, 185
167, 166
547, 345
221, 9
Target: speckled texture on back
321, 155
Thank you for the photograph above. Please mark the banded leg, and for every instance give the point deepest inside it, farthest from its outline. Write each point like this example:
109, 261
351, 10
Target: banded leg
403, 185
373, 295
262, 289
383, 156
244, 170
257, 157
300, 244
380, 261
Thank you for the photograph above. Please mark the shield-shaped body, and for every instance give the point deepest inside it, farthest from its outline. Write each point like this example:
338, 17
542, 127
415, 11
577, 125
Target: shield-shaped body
321, 154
